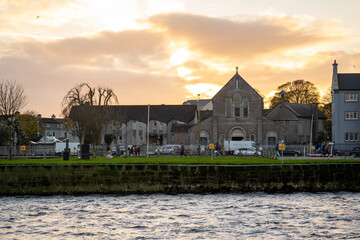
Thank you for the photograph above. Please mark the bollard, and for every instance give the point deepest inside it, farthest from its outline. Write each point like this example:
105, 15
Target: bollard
191, 152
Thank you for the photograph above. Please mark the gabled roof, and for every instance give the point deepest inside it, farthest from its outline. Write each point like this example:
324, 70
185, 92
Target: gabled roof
162, 113
297, 109
349, 81
302, 110
237, 75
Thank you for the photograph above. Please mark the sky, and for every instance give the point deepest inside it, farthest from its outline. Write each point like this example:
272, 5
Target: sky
169, 51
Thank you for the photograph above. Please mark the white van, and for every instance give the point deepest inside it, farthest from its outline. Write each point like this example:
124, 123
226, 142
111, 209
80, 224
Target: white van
60, 147
231, 146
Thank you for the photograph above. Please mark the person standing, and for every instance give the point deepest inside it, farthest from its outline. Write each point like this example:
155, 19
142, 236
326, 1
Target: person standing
182, 151
217, 150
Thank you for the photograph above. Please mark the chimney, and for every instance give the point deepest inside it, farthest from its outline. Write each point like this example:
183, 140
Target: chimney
335, 68
335, 85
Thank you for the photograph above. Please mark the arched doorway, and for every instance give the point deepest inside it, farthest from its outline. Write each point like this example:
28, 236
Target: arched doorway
237, 134
204, 138
271, 138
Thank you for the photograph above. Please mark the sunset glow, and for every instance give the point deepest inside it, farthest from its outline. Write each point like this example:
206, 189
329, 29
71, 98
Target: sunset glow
172, 50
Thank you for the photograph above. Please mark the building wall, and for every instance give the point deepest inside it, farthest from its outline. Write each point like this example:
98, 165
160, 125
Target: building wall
341, 126
237, 93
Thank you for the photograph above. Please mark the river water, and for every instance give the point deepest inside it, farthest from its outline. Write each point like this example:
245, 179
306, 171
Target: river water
183, 216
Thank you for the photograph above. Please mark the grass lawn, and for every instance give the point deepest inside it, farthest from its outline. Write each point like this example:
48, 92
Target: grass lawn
231, 160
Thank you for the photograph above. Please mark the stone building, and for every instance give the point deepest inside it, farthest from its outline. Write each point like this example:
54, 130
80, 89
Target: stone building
237, 115
301, 122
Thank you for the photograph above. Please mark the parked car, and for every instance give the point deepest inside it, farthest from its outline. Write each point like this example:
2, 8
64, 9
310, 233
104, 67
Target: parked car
246, 152
168, 149
355, 152
290, 152
120, 150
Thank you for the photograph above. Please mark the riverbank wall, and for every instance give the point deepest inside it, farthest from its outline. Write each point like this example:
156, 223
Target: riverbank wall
173, 179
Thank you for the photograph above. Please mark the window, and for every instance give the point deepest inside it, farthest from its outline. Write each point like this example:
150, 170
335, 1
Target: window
141, 135
351, 137
134, 125
351, 97
228, 107
237, 83
252, 137
237, 104
246, 107
351, 115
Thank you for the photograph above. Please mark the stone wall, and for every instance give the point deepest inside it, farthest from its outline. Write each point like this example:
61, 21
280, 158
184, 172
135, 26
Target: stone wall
132, 178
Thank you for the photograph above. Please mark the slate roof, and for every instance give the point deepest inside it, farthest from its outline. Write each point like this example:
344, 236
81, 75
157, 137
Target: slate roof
303, 110
162, 113
50, 120
181, 128
205, 114
349, 81
199, 103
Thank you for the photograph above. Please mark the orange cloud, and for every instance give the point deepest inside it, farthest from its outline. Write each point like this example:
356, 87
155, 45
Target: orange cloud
128, 47
225, 39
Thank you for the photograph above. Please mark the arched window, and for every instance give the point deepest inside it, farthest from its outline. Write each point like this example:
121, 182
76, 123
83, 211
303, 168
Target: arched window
245, 107
253, 137
221, 139
204, 138
228, 107
237, 104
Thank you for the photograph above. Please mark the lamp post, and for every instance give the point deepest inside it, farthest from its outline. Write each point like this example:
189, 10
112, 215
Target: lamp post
11, 118
198, 111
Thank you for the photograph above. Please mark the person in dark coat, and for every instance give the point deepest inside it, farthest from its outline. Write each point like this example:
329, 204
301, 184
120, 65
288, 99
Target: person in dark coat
182, 151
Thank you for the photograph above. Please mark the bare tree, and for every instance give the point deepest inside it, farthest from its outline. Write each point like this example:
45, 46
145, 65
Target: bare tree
12, 98
82, 105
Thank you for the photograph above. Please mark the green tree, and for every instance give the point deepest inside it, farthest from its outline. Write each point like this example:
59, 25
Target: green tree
108, 138
298, 91
30, 125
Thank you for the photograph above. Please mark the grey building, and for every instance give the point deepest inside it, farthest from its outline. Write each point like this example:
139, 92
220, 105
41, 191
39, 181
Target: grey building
129, 123
301, 122
345, 92
55, 127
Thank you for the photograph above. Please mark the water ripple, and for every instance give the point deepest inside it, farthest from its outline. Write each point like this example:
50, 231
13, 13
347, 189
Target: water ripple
183, 216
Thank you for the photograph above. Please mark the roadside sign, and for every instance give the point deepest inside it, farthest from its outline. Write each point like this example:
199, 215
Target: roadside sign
312, 147
211, 146
22, 148
74, 148
281, 146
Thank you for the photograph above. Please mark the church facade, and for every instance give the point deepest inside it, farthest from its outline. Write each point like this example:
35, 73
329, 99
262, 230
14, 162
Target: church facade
237, 114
